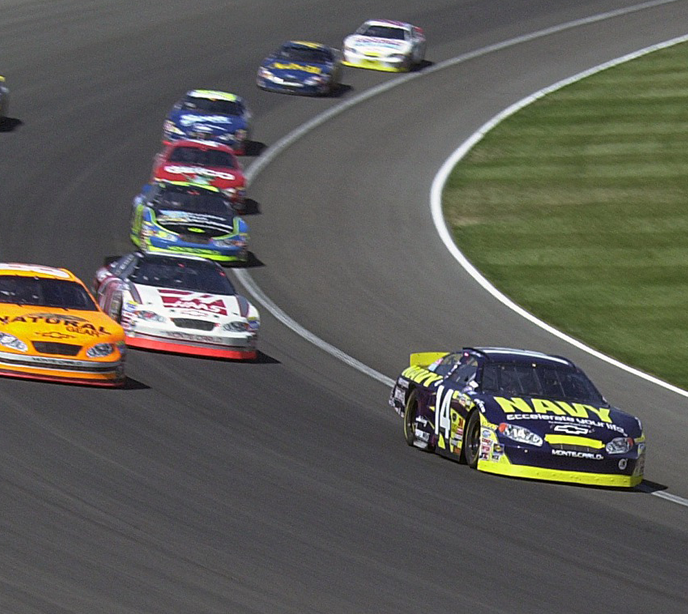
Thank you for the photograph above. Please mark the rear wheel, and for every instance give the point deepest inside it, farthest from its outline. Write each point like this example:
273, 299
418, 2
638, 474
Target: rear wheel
410, 417
471, 439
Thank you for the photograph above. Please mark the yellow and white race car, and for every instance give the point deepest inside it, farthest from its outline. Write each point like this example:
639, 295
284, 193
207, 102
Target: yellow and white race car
52, 329
381, 44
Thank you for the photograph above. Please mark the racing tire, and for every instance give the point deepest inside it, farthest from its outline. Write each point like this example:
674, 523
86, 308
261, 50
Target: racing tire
470, 450
410, 417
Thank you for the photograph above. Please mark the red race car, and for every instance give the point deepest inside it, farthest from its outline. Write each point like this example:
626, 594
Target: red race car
203, 162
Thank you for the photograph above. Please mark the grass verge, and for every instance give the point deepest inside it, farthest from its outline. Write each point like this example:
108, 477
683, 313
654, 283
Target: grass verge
577, 208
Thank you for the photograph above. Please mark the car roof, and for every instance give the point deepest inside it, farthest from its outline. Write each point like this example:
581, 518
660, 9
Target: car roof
21, 269
190, 184
214, 95
501, 354
307, 44
388, 22
144, 255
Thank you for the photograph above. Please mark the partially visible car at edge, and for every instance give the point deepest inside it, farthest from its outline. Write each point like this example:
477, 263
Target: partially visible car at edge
518, 413
4, 98
51, 329
382, 44
181, 217
202, 162
211, 115
180, 304
301, 67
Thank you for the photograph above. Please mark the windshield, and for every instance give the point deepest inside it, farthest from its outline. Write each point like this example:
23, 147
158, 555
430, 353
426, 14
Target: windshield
383, 32
186, 198
304, 54
45, 293
167, 272
203, 157
536, 380
206, 105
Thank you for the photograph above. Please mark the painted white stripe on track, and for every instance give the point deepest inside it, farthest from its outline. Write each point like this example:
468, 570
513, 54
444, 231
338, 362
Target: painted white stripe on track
438, 184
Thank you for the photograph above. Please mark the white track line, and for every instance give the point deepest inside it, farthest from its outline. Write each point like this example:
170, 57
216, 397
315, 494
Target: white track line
436, 193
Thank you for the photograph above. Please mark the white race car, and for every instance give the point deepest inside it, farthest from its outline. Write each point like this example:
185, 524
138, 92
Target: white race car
4, 98
182, 304
381, 44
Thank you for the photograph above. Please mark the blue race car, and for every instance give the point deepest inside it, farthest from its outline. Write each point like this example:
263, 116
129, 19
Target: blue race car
181, 217
210, 115
300, 67
518, 413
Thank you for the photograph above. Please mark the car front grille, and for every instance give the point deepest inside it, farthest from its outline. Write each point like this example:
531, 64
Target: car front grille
51, 347
195, 324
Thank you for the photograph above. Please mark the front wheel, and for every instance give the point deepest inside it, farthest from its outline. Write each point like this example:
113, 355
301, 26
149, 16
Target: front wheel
471, 439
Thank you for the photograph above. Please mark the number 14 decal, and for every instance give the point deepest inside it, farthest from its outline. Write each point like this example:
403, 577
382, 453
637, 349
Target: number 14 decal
443, 411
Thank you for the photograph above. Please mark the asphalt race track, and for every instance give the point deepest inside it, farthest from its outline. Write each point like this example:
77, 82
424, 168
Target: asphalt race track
285, 485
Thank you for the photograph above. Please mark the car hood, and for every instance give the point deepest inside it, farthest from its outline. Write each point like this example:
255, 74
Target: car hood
567, 418
187, 120
49, 324
176, 171
186, 303
383, 46
301, 70
199, 223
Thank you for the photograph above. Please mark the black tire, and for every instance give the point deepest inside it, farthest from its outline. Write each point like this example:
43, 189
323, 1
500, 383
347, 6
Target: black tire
471, 440
410, 417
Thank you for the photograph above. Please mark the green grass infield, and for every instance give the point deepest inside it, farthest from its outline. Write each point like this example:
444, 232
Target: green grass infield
577, 208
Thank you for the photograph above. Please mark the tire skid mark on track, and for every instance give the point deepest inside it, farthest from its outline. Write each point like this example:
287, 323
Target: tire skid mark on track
261, 163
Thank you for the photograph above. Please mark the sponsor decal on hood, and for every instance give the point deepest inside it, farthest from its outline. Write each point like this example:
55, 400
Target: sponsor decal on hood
177, 169
187, 302
368, 42
185, 218
190, 119
309, 68
69, 323
197, 301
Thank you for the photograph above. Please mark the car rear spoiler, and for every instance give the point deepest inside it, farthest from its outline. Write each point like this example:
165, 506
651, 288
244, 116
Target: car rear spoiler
425, 359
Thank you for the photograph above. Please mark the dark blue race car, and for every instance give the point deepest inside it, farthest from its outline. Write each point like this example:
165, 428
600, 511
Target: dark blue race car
300, 67
518, 413
210, 115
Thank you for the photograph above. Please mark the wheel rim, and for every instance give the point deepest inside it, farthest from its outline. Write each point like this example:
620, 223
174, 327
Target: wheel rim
474, 440
408, 424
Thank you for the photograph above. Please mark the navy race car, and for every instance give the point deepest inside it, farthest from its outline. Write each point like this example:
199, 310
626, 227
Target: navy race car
300, 67
518, 413
210, 115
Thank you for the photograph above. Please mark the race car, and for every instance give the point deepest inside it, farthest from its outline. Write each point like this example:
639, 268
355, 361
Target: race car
51, 329
518, 413
181, 304
4, 99
183, 217
202, 162
210, 115
301, 67
381, 44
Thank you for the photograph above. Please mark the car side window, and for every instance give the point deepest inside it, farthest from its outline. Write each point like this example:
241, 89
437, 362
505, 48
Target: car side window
465, 372
446, 364
122, 264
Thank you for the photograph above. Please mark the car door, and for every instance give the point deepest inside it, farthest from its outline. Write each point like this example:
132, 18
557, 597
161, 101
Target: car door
452, 405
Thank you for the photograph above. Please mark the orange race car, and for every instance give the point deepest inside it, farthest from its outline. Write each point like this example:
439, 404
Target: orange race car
52, 329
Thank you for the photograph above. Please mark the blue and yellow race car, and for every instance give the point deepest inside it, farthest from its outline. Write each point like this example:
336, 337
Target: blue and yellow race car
518, 413
187, 218
301, 67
